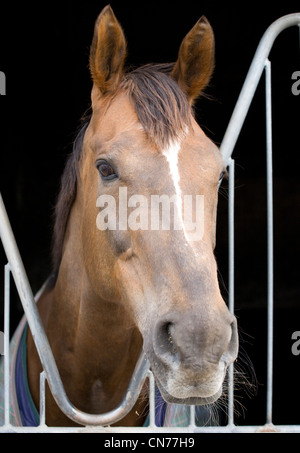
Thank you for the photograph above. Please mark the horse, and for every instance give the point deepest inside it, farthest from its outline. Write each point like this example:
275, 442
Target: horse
124, 280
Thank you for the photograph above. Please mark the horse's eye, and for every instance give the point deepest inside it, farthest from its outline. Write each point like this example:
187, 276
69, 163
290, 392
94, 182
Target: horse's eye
106, 170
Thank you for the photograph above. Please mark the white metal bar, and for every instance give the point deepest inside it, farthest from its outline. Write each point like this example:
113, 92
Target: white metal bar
176, 430
151, 400
231, 265
192, 416
270, 239
43, 399
6, 344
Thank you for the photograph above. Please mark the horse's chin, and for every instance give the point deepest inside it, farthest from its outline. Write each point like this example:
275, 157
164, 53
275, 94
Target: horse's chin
189, 401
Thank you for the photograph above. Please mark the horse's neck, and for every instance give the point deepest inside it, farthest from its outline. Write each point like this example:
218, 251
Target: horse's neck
94, 343
97, 332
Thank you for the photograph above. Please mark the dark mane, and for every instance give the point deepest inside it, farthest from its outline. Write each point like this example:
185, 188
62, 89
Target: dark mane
66, 198
162, 107
163, 111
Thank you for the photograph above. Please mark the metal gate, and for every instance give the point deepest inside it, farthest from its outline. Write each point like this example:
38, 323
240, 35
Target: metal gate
101, 423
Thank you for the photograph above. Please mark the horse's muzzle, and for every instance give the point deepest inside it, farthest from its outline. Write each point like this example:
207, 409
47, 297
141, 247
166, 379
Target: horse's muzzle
189, 355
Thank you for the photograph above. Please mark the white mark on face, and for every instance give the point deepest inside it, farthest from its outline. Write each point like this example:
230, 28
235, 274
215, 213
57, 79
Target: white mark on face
172, 156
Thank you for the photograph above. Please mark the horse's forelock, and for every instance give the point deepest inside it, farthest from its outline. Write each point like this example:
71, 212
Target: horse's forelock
162, 107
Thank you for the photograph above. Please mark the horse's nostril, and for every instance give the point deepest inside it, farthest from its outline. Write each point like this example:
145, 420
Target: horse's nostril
170, 328
165, 341
186, 342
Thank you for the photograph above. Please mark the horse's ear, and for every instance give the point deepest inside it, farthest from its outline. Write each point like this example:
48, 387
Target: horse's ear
108, 51
196, 59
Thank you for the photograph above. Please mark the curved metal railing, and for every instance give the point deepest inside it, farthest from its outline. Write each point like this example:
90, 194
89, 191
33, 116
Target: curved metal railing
253, 77
45, 353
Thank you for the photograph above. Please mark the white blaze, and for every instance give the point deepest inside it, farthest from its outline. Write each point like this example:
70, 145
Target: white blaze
172, 156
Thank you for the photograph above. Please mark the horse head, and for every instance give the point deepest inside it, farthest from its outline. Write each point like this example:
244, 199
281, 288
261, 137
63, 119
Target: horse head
148, 191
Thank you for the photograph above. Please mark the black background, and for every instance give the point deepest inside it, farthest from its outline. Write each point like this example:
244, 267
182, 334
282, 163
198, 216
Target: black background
44, 52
